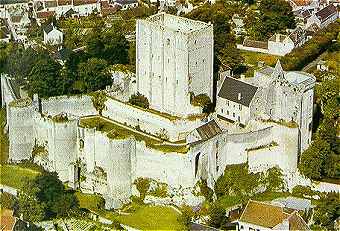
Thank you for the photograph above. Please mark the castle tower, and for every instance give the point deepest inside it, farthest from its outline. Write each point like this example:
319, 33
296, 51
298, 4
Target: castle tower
174, 58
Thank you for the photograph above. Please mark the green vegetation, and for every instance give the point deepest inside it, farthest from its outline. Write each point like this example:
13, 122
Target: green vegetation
91, 202
152, 218
326, 211
45, 197
4, 143
274, 16
98, 101
142, 185
139, 100
117, 130
7, 201
271, 144
319, 43
15, 176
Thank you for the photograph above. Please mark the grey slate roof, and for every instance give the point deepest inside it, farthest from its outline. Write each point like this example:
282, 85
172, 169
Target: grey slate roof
48, 28
208, 130
126, 2
232, 87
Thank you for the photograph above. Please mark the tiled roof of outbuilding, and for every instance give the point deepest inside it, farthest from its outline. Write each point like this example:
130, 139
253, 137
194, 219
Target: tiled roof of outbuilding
326, 12
209, 130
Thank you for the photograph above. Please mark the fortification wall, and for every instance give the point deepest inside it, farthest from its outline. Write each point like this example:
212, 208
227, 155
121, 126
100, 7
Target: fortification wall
60, 140
114, 157
175, 169
75, 105
20, 122
150, 122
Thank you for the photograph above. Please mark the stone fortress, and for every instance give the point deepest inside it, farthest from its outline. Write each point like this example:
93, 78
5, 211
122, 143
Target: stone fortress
264, 121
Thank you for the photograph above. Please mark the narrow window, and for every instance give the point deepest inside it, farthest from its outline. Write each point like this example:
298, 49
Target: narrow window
233, 114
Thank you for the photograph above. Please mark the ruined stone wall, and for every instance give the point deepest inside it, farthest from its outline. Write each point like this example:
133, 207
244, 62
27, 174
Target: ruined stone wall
20, 122
74, 105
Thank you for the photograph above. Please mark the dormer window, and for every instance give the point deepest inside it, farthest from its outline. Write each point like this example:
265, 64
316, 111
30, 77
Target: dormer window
168, 42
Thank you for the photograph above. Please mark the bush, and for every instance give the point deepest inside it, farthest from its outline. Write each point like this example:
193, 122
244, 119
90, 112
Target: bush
139, 100
142, 185
160, 191
207, 192
301, 191
186, 216
7, 201
217, 216
200, 100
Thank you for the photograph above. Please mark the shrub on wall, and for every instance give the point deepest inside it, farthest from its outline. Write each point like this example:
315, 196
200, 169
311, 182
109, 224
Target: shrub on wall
139, 100
142, 185
98, 100
200, 100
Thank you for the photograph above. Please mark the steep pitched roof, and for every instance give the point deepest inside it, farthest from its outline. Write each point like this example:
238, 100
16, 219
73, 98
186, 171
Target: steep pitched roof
296, 222
326, 12
48, 28
45, 14
263, 214
7, 220
237, 91
209, 130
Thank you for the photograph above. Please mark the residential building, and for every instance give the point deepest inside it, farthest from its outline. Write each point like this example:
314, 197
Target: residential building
264, 216
52, 35
323, 17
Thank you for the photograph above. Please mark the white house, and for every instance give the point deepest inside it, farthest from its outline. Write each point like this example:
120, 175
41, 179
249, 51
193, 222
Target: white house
323, 17
234, 100
52, 35
126, 4
264, 216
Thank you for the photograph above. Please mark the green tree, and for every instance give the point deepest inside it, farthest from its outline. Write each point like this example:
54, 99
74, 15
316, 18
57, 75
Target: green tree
142, 185
66, 205
274, 179
313, 159
217, 216
98, 101
94, 74
7, 201
275, 16
327, 210
29, 205
139, 100
45, 79
186, 215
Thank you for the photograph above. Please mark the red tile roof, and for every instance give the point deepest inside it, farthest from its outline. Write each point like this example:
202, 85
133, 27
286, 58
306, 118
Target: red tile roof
326, 12
7, 220
45, 14
83, 2
64, 2
256, 44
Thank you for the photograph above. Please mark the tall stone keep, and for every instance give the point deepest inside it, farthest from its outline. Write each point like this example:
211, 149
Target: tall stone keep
174, 57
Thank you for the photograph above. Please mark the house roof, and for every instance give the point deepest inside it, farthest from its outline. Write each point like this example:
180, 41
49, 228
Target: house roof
294, 203
63, 54
327, 11
7, 220
280, 37
263, 214
301, 2
253, 43
69, 13
83, 2
209, 130
237, 91
296, 222
48, 28
64, 2
45, 14
126, 2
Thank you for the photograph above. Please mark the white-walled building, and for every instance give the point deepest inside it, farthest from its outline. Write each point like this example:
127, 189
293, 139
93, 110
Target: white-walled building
174, 57
323, 17
271, 92
126, 4
52, 35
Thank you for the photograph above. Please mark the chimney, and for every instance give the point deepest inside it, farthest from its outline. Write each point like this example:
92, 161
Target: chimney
239, 97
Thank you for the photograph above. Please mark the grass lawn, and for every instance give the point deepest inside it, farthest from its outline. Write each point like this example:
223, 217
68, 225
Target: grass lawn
89, 201
14, 176
252, 58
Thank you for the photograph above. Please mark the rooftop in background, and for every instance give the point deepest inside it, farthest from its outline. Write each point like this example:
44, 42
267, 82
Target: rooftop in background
176, 23
209, 130
326, 12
